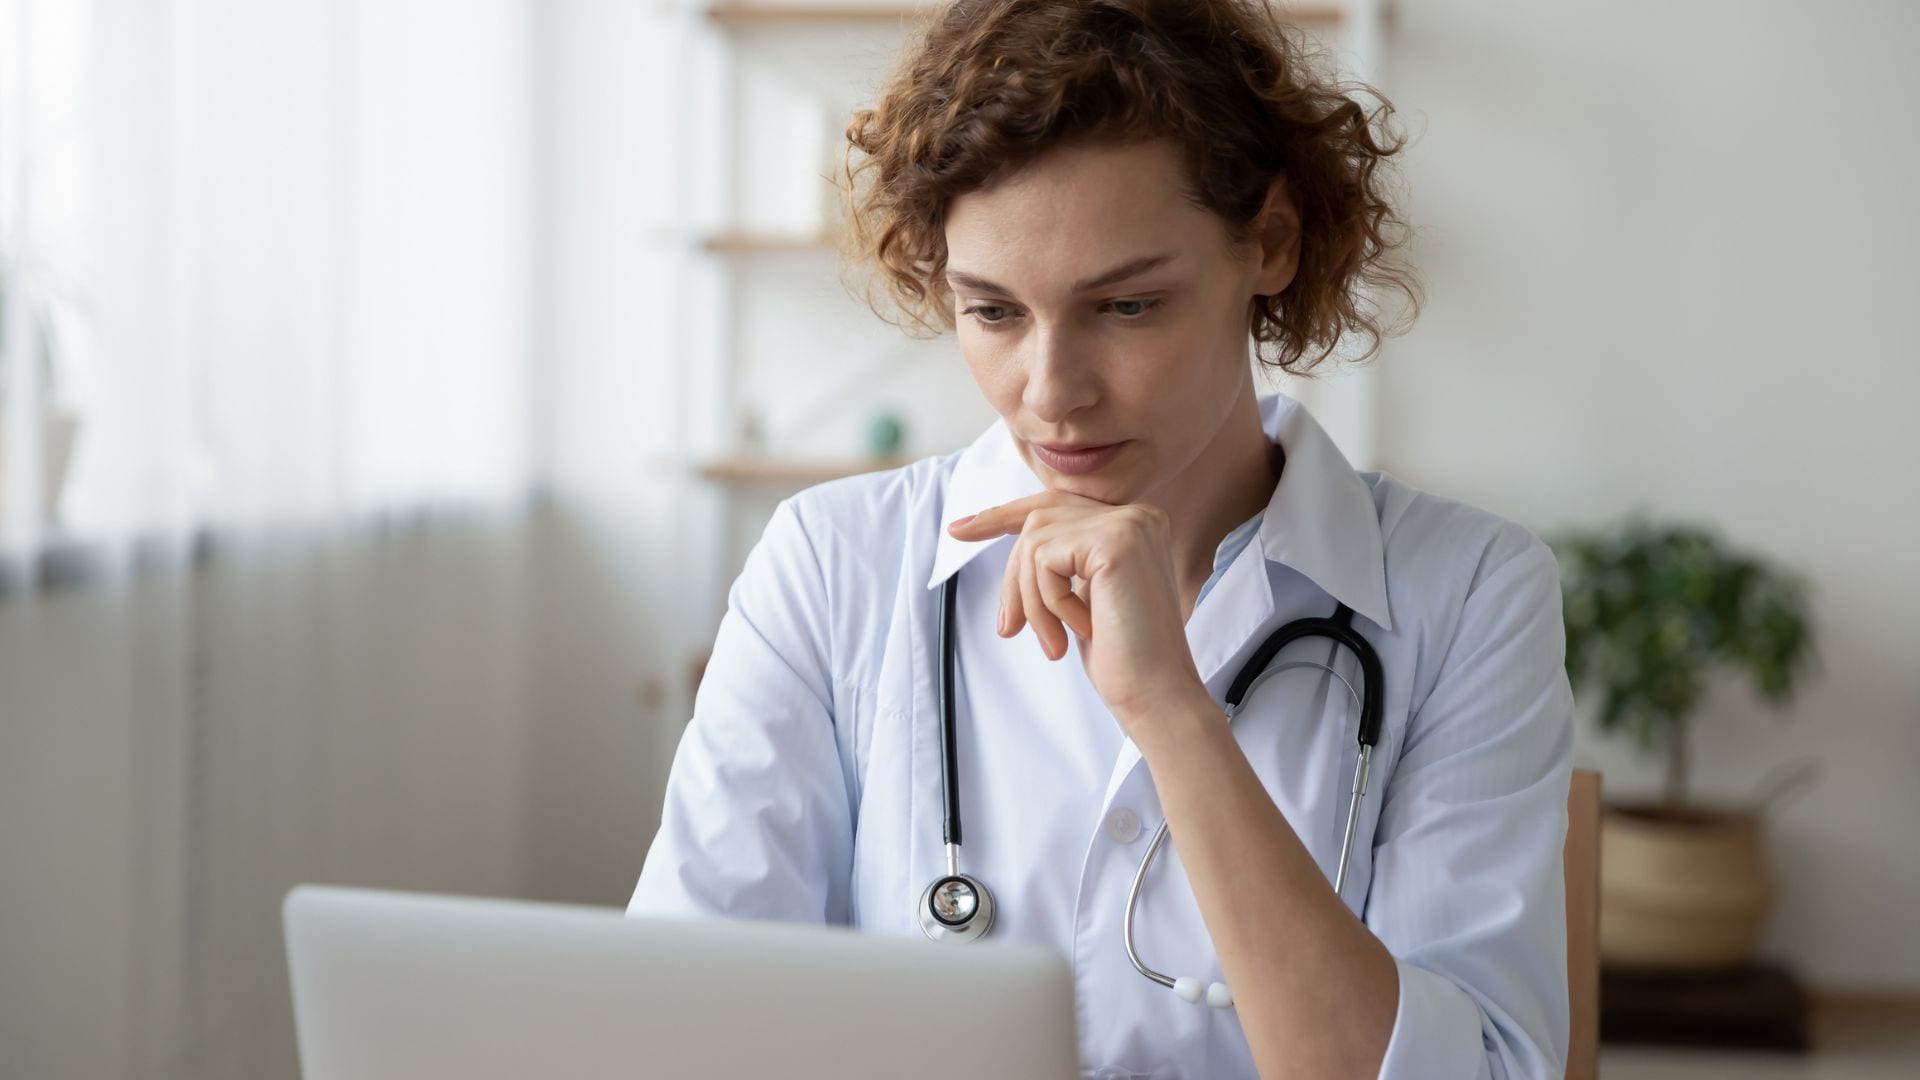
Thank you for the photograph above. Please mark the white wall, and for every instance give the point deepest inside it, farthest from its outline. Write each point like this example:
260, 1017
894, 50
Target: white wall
1671, 257
609, 636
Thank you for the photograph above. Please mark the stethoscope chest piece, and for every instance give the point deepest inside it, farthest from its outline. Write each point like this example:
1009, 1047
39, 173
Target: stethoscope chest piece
956, 908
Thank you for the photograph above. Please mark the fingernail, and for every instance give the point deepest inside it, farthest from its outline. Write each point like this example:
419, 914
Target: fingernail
1000, 624
962, 520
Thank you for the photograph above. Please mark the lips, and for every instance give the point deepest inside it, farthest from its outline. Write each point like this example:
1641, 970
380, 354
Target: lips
1077, 460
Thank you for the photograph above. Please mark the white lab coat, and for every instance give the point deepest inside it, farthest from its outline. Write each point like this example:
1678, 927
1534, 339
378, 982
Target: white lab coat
807, 786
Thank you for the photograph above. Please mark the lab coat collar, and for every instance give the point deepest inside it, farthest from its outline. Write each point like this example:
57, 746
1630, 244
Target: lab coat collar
1321, 520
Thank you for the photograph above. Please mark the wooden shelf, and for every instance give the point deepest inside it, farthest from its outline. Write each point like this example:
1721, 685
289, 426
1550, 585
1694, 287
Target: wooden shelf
742, 243
1314, 14
746, 15
751, 470
733, 14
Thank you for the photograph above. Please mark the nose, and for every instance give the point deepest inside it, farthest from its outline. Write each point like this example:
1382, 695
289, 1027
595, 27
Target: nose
1060, 378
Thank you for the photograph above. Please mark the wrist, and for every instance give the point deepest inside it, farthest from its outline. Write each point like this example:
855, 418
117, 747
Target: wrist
1172, 717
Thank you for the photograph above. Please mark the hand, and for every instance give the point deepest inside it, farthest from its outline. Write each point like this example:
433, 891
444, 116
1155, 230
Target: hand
1105, 573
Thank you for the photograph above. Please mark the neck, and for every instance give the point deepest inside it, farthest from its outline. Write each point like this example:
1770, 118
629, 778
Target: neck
1231, 480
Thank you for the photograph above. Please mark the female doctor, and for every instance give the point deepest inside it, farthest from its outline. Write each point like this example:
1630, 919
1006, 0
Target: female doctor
962, 697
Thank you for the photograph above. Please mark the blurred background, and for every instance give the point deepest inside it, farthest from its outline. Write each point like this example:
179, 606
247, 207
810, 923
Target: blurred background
390, 390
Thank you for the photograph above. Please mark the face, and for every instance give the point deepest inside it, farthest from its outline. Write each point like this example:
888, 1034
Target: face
1105, 317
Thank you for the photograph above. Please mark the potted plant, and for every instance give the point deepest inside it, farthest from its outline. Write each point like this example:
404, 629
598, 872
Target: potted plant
1650, 609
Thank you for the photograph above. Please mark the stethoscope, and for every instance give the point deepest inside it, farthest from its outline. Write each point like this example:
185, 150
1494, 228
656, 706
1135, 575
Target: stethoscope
958, 907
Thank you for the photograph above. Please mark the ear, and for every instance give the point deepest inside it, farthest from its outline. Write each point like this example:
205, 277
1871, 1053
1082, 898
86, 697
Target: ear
1277, 232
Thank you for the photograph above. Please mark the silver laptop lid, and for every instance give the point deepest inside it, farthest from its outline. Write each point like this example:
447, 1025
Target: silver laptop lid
418, 986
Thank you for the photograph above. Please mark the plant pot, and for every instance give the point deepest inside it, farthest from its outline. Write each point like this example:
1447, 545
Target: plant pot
56, 445
1681, 889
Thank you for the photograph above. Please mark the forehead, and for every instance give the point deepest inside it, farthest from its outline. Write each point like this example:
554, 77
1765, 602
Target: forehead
1077, 211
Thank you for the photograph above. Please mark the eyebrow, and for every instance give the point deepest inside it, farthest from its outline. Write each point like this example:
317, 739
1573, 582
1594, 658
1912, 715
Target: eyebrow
1125, 270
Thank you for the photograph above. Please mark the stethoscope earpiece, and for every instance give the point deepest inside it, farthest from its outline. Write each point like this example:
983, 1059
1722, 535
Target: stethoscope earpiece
1216, 994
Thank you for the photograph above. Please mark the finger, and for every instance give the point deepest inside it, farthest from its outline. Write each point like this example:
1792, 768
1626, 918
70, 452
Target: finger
1011, 618
1011, 517
1046, 626
1055, 574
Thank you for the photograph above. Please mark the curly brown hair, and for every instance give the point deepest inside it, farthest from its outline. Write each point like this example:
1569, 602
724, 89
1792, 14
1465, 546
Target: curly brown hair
987, 86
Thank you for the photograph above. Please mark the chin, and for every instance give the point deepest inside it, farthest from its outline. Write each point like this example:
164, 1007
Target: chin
1115, 490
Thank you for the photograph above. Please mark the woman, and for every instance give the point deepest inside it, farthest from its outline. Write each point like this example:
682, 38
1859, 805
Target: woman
1107, 200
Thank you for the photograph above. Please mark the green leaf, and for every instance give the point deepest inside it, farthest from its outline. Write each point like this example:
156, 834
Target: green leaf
1652, 608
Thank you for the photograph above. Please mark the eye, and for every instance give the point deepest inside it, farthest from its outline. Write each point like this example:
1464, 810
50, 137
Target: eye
1133, 309
988, 314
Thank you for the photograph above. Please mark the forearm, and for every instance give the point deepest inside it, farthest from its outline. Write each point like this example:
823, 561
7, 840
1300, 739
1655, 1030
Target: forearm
1316, 992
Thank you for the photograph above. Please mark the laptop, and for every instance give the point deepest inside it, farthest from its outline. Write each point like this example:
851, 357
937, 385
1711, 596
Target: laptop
414, 985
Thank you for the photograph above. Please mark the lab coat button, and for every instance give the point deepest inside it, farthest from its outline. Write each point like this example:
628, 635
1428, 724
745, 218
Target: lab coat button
1111, 1073
1123, 825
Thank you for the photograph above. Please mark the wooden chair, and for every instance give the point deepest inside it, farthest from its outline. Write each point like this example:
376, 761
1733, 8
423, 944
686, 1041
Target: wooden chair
1582, 859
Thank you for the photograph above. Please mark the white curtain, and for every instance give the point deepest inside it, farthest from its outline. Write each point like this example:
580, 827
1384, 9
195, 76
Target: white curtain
269, 274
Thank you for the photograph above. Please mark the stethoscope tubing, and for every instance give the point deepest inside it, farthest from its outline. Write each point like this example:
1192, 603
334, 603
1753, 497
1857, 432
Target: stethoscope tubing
949, 754
964, 923
1357, 791
1257, 669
